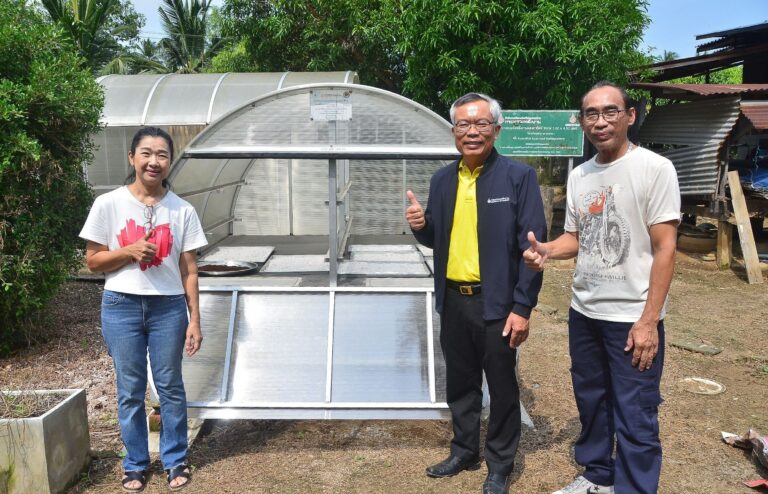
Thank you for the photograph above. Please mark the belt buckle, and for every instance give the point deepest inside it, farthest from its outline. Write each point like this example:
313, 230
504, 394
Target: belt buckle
465, 289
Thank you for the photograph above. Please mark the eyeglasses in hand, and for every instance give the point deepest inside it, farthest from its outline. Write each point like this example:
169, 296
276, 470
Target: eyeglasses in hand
483, 126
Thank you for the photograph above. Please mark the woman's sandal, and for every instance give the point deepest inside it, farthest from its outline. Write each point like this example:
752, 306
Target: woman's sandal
176, 472
140, 475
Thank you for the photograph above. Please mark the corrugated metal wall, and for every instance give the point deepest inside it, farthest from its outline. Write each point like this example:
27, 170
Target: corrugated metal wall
692, 135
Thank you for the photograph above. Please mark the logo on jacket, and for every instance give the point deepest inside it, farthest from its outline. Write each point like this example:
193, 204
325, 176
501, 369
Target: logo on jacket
494, 200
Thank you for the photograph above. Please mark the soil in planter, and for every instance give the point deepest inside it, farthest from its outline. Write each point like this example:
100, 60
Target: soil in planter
28, 405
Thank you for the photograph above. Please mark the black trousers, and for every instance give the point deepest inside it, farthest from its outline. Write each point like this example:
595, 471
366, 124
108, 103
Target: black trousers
470, 346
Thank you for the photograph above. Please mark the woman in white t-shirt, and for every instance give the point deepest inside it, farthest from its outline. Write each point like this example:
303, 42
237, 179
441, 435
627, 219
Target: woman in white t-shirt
144, 238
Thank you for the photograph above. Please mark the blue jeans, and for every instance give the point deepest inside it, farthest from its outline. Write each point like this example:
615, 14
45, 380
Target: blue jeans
133, 325
615, 400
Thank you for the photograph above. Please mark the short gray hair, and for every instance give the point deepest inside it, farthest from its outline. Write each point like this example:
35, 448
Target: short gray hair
470, 97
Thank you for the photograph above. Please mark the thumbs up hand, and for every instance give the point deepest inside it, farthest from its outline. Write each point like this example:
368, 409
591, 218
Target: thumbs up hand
414, 214
535, 256
143, 250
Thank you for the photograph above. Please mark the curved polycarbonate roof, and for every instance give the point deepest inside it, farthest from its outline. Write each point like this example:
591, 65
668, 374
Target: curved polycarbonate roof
269, 159
320, 115
194, 99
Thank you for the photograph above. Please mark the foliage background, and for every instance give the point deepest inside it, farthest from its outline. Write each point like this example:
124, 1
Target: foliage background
49, 106
541, 54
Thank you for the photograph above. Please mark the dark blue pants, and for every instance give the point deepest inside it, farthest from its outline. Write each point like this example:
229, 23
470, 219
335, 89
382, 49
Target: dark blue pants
615, 400
470, 346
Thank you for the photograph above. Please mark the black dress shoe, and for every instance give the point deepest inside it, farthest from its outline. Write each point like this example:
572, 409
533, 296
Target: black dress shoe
453, 465
496, 483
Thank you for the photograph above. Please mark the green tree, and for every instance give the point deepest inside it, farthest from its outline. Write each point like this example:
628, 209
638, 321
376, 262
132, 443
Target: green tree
730, 75
541, 54
668, 56
49, 106
102, 30
187, 47
144, 57
317, 35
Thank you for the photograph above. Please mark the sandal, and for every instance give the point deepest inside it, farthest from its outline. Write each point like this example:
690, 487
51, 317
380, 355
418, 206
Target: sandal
140, 475
176, 472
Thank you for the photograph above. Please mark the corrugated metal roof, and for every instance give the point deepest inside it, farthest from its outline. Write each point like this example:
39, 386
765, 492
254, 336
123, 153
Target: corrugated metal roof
684, 91
665, 71
756, 112
734, 38
698, 131
738, 30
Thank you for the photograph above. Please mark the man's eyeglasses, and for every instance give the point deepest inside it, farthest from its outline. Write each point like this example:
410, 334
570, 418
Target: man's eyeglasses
149, 217
483, 126
610, 115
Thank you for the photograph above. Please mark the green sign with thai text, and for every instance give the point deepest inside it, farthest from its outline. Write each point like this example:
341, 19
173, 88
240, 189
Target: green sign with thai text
541, 133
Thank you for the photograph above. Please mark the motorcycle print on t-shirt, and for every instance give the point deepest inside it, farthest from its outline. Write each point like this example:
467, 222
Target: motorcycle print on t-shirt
161, 236
603, 233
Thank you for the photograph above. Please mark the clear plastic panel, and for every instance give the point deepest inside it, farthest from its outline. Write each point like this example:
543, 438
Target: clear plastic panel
309, 193
217, 234
125, 98
440, 392
219, 205
182, 135
376, 196
198, 202
237, 89
263, 203
182, 99
204, 371
377, 118
109, 167
378, 200
301, 78
118, 146
96, 169
197, 174
233, 171
380, 348
280, 353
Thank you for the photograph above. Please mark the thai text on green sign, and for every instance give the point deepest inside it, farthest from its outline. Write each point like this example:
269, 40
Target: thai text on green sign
541, 133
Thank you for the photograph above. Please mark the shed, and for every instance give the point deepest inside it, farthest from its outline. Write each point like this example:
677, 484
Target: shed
717, 137
181, 104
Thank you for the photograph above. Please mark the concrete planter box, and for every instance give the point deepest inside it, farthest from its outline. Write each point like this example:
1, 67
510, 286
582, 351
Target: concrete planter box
45, 454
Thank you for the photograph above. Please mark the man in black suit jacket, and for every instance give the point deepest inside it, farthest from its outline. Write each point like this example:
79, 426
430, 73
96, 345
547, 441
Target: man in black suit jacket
478, 215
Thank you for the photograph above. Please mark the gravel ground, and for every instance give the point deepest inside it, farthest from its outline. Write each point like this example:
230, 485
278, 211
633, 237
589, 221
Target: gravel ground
260, 456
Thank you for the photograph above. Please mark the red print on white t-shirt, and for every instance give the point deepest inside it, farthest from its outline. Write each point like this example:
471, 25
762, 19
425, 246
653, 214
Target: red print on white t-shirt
161, 236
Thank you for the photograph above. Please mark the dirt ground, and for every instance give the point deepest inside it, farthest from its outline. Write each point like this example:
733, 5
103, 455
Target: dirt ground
706, 305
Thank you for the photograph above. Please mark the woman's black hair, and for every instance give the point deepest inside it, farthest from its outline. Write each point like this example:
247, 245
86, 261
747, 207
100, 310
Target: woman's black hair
141, 134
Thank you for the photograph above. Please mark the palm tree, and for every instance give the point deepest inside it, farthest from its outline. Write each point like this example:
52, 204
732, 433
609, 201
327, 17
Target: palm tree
186, 45
668, 56
100, 29
84, 22
146, 58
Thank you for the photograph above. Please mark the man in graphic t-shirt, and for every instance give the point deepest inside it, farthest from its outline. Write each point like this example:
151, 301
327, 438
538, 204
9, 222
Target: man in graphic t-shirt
623, 207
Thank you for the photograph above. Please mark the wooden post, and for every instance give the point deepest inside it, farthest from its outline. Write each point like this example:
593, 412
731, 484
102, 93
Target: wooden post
724, 244
747, 240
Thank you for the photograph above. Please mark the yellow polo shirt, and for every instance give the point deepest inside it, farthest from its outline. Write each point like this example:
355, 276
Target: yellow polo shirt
463, 253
